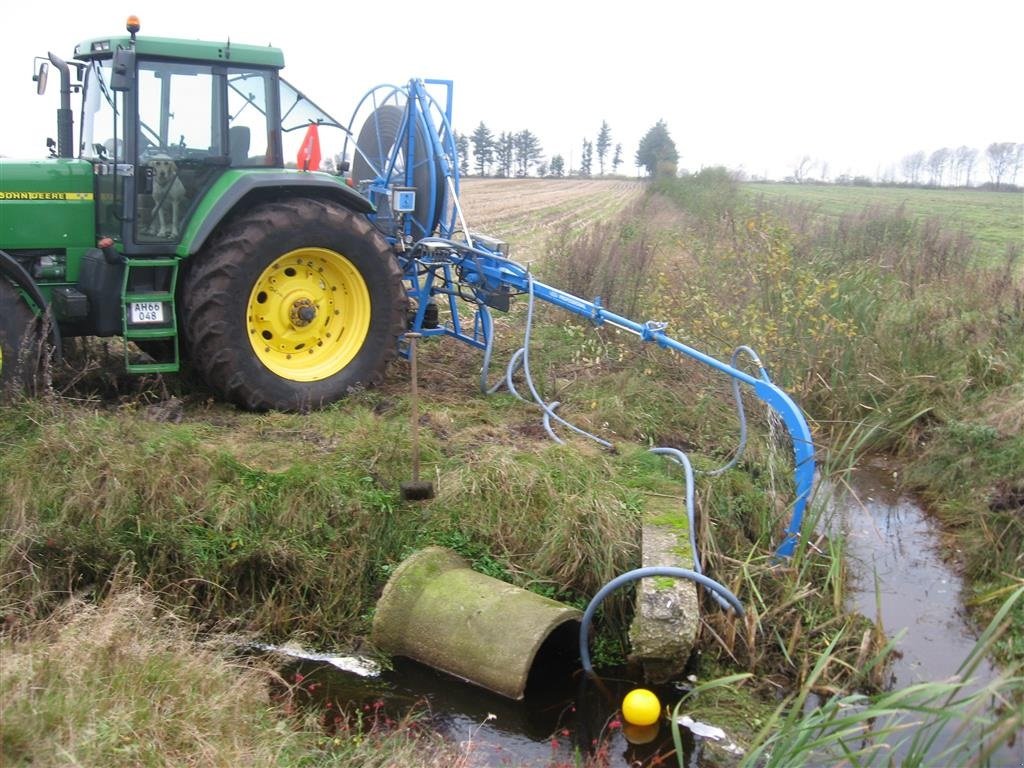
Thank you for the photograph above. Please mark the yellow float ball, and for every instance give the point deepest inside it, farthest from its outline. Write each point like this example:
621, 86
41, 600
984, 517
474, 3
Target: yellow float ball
641, 707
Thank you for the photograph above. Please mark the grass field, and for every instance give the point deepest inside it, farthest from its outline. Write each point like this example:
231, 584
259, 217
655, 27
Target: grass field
994, 219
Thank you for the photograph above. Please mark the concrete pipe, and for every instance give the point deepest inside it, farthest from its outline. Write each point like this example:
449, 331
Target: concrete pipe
437, 610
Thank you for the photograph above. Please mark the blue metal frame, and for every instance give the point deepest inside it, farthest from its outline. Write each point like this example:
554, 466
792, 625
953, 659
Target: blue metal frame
474, 269
431, 146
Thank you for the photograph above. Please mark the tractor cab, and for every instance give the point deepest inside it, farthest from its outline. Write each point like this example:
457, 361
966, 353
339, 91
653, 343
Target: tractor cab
162, 120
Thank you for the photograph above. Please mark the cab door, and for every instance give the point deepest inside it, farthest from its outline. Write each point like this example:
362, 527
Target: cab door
180, 147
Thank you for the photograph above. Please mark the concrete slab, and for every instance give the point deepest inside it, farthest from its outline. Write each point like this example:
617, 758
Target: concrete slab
667, 617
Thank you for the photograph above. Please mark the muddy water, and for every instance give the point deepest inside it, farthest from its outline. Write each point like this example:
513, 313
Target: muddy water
905, 577
561, 720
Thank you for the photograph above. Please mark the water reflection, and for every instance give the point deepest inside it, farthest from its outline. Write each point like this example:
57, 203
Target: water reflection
905, 576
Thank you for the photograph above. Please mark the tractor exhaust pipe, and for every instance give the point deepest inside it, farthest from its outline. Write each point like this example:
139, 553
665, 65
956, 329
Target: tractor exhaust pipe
65, 120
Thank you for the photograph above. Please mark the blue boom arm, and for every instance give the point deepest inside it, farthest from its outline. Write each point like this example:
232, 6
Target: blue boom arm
446, 266
452, 270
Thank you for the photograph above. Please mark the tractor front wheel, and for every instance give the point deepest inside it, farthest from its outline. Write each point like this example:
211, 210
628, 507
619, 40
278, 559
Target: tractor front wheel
293, 305
22, 344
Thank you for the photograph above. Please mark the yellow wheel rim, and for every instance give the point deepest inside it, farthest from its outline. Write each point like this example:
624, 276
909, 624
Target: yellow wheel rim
308, 314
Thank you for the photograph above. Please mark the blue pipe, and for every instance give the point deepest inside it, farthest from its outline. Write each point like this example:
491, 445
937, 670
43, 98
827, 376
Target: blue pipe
485, 271
634, 575
800, 434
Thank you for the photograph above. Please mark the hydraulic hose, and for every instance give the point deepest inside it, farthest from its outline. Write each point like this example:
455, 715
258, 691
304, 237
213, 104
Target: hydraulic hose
521, 360
727, 597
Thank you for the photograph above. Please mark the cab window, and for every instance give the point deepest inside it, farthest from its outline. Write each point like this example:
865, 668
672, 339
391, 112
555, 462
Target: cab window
248, 121
181, 145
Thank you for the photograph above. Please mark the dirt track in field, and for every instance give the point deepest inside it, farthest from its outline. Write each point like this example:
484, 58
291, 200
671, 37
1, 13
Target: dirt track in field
525, 212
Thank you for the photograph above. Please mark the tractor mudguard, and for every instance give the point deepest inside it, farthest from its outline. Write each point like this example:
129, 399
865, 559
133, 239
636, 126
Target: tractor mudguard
239, 190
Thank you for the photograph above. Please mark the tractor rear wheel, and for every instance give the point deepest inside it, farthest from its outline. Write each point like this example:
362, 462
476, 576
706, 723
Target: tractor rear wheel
22, 343
292, 305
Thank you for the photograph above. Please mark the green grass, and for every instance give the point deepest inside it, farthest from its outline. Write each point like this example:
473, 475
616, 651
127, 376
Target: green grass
124, 682
994, 219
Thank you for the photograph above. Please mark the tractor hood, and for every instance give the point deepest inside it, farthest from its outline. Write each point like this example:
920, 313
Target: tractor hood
46, 202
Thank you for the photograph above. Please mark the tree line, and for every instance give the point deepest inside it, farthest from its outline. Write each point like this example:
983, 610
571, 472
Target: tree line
948, 167
943, 167
519, 153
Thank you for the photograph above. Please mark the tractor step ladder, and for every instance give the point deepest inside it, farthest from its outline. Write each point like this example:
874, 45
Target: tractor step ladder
165, 330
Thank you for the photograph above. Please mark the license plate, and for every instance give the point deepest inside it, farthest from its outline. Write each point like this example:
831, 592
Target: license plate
147, 312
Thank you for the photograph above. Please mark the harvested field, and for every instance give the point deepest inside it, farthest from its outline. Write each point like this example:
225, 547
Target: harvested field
525, 211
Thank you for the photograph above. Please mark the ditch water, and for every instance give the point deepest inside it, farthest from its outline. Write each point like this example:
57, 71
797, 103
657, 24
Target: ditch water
901, 574
905, 576
562, 718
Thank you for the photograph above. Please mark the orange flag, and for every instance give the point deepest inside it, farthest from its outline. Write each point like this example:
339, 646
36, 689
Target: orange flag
309, 152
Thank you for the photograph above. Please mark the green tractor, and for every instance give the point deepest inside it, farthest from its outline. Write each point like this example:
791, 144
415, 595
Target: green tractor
176, 224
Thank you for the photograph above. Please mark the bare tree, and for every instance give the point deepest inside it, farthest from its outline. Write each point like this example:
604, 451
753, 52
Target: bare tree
802, 168
937, 165
961, 162
911, 166
966, 157
1001, 160
1018, 162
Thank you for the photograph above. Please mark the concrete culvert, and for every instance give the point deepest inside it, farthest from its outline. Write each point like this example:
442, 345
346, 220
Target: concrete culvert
437, 610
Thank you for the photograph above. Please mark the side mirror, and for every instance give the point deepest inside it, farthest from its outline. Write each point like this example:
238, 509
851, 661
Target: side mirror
123, 74
40, 77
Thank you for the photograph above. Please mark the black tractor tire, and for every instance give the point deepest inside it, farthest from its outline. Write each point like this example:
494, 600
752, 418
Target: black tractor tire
377, 140
23, 345
292, 305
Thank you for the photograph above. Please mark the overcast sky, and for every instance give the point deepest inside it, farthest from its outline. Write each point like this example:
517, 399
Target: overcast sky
750, 85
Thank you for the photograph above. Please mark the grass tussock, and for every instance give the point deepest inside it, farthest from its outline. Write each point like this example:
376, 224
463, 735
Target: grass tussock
554, 518
123, 682
948, 722
297, 539
281, 549
795, 627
